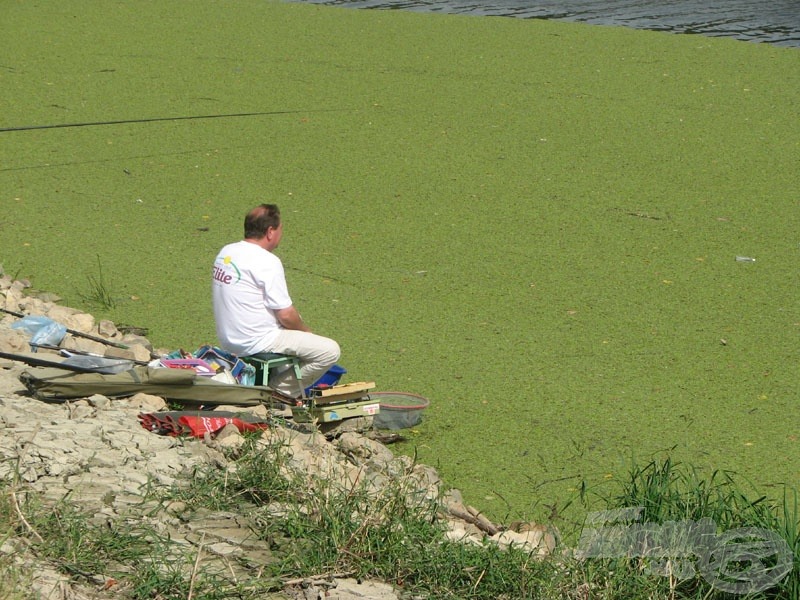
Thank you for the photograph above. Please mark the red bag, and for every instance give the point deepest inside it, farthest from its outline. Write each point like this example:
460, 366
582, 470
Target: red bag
199, 426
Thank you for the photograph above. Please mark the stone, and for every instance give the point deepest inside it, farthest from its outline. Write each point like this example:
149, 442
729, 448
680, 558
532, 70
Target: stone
130, 339
260, 411
13, 297
32, 306
81, 344
176, 508
229, 437
364, 448
48, 297
138, 352
99, 401
14, 341
82, 322
60, 313
145, 402
352, 589
534, 538
82, 411
107, 329
141, 352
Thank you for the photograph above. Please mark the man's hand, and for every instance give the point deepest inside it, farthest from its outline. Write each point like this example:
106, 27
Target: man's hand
289, 318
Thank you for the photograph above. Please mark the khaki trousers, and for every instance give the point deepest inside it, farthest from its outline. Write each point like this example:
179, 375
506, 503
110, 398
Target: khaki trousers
316, 353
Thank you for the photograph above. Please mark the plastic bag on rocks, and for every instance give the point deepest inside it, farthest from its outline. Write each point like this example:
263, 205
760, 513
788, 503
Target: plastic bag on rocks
43, 331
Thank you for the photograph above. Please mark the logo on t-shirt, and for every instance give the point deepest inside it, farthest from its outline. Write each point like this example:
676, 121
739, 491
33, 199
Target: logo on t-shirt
225, 270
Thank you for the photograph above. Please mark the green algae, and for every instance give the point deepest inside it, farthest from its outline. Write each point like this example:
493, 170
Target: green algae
534, 224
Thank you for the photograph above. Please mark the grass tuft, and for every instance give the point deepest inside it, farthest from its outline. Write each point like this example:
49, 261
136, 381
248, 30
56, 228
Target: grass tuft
99, 292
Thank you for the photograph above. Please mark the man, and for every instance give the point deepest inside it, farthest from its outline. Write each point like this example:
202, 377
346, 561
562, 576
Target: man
252, 308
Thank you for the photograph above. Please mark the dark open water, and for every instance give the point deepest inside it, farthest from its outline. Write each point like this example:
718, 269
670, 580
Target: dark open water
769, 21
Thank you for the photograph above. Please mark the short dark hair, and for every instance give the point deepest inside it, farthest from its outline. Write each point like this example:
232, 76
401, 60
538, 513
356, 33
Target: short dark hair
261, 218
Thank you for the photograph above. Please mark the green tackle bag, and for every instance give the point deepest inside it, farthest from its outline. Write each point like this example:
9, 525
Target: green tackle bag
47, 383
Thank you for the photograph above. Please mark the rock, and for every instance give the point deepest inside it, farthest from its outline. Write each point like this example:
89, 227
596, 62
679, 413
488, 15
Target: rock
141, 352
49, 583
229, 437
107, 329
13, 296
534, 538
72, 342
99, 401
130, 339
351, 589
82, 322
48, 297
14, 341
138, 352
81, 411
365, 449
144, 402
60, 313
176, 508
32, 306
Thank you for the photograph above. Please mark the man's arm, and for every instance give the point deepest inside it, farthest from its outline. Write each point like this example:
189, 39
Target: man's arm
289, 318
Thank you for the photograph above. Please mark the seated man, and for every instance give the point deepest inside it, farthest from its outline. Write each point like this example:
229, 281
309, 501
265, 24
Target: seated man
252, 308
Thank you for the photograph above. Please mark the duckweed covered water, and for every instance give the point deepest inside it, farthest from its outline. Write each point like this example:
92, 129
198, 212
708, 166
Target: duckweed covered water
532, 224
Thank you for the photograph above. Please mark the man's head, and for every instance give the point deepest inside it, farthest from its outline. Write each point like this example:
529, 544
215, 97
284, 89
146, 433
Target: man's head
263, 226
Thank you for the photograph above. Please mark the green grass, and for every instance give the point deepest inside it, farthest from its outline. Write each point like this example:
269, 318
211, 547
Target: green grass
99, 293
127, 553
533, 224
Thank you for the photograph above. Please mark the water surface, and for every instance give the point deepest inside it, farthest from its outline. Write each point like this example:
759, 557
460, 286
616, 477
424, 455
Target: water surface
776, 22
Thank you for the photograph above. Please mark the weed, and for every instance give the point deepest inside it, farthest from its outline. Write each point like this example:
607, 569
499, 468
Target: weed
99, 291
14, 579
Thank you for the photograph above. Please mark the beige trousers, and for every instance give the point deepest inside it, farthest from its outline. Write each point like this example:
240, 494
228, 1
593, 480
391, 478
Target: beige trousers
316, 353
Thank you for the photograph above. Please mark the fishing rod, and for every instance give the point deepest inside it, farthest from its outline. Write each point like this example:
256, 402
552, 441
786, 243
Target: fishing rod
157, 119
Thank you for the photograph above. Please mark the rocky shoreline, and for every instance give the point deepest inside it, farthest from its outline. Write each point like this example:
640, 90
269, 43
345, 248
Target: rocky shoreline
95, 452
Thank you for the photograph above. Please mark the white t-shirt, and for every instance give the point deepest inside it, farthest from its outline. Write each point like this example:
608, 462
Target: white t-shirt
248, 286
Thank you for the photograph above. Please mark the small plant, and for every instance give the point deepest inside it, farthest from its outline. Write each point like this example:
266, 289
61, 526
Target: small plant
14, 579
99, 292
14, 276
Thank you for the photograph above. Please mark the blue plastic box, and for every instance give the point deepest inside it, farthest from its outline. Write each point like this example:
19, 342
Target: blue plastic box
330, 378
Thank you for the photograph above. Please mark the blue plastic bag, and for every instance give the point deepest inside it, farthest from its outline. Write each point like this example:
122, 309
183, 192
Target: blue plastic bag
43, 331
